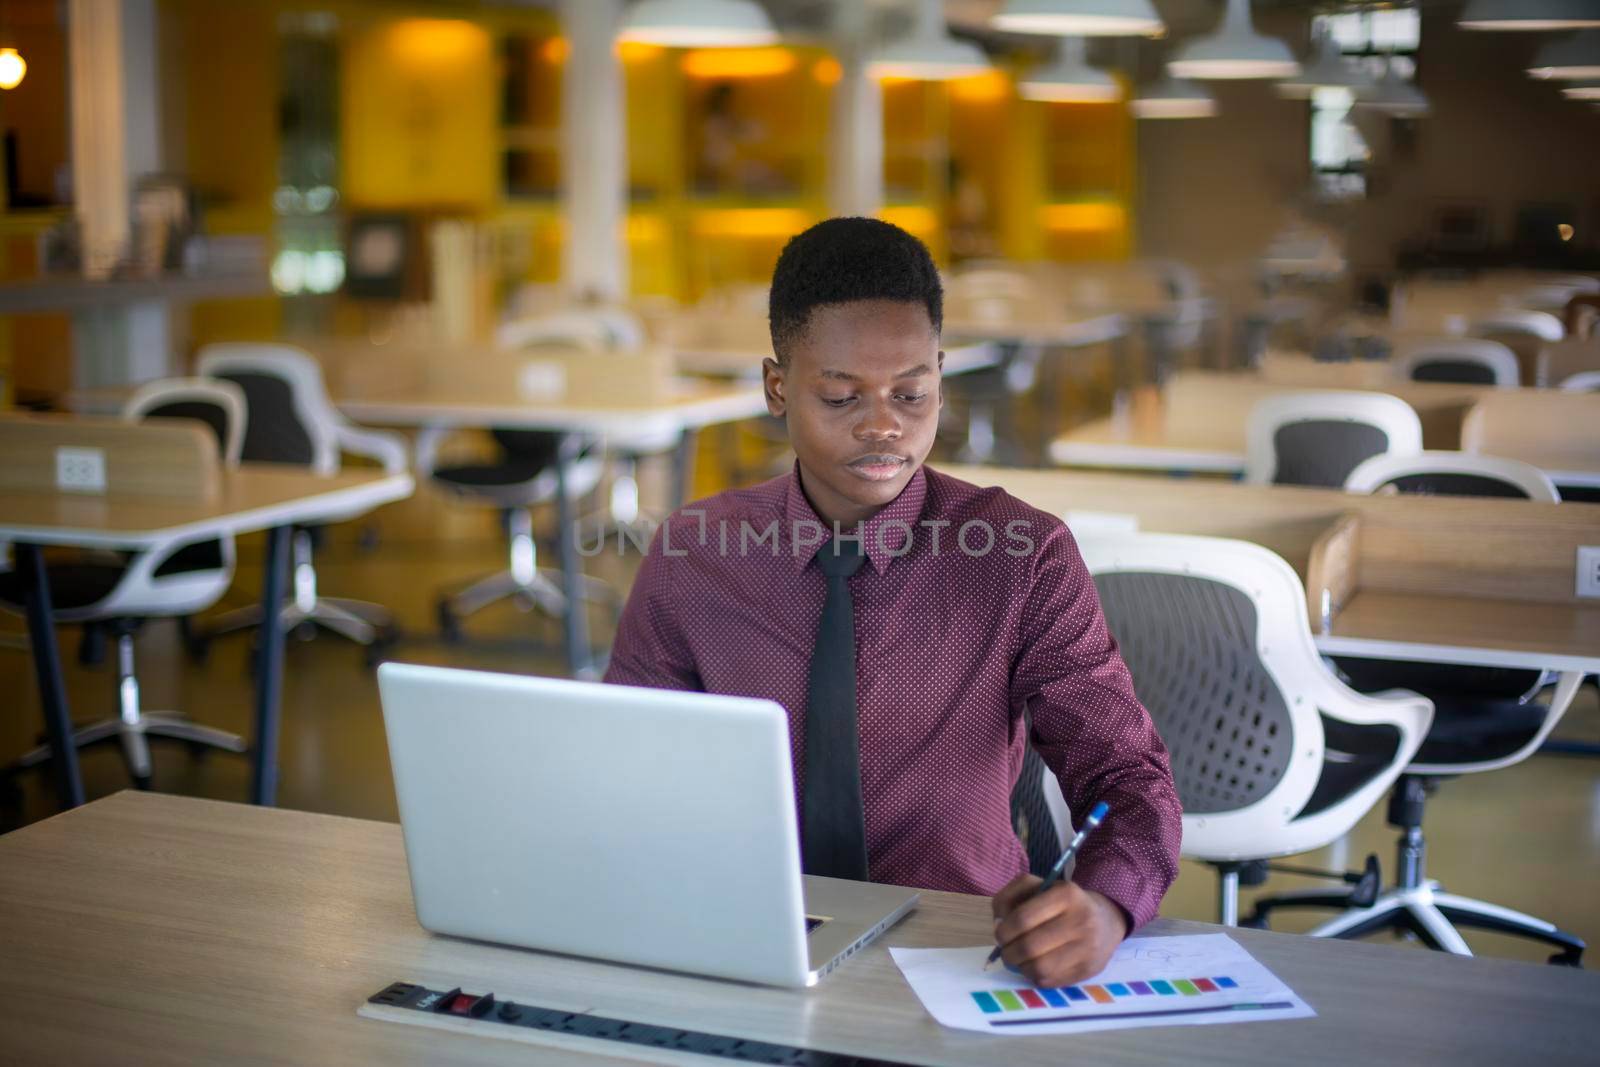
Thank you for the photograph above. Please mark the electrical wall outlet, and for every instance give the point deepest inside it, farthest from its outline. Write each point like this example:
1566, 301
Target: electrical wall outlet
1589, 570
81, 470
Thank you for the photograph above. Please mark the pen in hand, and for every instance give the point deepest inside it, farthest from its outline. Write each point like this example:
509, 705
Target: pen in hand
1095, 816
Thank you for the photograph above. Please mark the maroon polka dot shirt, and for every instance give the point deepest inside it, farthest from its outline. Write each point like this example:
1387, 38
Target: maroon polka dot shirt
972, 607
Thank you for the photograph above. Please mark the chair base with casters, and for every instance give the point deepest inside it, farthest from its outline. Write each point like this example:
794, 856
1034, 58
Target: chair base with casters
1416, 904
524, 582
370, 625
133, 726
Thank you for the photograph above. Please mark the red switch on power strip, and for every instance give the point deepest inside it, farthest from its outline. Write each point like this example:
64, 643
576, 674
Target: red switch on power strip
470, 1005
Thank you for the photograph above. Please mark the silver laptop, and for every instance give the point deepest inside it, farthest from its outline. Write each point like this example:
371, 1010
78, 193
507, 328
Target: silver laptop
637, 825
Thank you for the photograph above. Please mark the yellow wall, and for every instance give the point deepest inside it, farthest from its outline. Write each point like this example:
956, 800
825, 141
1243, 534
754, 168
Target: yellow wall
419, 120
226, 60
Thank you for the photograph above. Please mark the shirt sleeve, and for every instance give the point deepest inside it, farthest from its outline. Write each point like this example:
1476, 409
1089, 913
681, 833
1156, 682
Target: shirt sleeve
1090, 729
651, 648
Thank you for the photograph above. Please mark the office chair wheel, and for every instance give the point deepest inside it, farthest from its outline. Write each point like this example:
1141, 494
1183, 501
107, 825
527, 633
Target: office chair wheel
449, 625
1572, 957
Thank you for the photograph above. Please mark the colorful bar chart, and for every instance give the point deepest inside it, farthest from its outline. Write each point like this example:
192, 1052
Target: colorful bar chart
1001, 1001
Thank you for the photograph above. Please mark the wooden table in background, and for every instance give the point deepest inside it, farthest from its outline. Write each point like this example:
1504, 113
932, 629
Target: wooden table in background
252, 497
154, 929
578, 395
1198, 421
1445, 579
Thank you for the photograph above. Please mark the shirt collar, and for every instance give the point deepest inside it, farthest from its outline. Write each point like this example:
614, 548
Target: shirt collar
884, 536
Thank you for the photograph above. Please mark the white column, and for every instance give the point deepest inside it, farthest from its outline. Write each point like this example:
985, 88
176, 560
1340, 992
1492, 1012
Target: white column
594, 160
116, 139
855, 132
99, 156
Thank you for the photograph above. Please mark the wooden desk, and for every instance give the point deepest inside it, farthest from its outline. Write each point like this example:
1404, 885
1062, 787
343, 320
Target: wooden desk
1446, 579
253, 497
1558, 432
1562, 359
156, 929
1053, 329
579, 395
1198, 424
719, 361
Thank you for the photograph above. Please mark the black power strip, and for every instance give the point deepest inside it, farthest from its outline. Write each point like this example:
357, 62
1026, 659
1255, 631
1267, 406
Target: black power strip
484, 1008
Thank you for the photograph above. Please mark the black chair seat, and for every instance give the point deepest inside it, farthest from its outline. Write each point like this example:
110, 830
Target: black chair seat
1353, 755
1477, 730
1579, 494
72, 585
491, 476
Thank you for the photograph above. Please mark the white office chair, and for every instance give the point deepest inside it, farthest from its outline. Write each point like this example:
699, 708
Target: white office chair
174, 579
524, 477
293, 421
1578, 283
1583, 382
1471, 360
1485, 718
1318, 438
1452, 474
1512, 321
1271, 754
1550, 296
1523, 331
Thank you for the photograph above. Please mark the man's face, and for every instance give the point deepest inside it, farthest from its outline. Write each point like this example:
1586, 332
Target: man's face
861, 397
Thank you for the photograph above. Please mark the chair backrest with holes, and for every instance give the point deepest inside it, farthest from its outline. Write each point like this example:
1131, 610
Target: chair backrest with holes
1215, 634
1318, 438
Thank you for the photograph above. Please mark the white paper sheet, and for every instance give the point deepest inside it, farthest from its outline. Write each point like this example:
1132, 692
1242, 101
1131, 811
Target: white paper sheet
1190, 980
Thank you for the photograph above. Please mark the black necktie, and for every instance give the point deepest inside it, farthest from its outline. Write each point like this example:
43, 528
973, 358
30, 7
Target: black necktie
834, 835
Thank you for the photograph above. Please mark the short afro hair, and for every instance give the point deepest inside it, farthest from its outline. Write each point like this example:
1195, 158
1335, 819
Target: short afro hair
846, 259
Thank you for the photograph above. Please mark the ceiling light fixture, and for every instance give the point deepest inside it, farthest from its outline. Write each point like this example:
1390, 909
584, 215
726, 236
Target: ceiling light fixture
1174, 98
1529, 15
1069, 79
698, 24
13, 68
1234, 51
1329, 69
1395, 96
1081, 18
1569, 58
929, 53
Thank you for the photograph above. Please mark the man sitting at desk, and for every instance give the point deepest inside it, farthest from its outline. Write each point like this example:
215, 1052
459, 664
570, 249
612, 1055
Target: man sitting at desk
908, 648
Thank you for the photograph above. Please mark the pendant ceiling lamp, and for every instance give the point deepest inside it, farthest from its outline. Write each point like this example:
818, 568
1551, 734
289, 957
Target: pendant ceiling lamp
698, 24
1173, 98
1080, 18
1329, 69
1569, 58
13, 68
1235, 51
1395, 96
1530, 15
929, 53
1069, 79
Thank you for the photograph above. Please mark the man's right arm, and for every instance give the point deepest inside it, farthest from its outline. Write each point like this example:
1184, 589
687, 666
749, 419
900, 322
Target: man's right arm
651, 648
